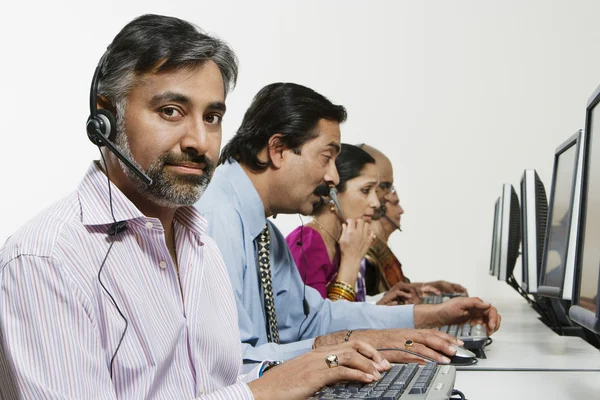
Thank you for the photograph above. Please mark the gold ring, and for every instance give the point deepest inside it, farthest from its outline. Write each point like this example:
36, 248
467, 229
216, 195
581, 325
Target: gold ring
408, 344
332, 361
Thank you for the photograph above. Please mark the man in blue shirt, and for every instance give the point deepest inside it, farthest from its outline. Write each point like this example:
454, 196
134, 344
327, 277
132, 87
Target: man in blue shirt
285, 148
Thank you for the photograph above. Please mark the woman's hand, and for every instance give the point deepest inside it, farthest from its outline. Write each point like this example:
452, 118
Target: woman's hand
354, 243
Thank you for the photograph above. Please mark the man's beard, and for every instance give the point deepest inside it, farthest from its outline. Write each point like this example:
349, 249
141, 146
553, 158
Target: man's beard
167, 189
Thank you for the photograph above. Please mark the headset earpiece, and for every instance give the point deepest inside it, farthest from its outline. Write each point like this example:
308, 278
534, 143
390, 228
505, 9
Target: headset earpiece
105, 123
101, 126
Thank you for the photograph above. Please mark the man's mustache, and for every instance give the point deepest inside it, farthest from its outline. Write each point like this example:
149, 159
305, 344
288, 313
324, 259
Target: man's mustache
209, 165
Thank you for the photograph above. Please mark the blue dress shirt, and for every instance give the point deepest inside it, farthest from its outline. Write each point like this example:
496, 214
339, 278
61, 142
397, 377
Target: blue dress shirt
236, 216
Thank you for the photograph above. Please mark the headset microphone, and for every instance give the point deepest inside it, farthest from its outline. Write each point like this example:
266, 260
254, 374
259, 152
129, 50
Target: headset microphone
391, 221
333, 196
101, 125
383, 211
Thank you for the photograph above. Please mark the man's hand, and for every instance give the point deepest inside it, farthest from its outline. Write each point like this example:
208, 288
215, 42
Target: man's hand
400, 293
429, 343
447, 287
301, 377
425, 289
458, 310
394, 297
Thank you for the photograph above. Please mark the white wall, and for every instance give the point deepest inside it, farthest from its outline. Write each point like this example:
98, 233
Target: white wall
463, 95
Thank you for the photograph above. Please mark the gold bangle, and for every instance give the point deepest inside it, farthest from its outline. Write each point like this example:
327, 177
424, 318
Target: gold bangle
344, 291
344, 288
340, 294
336, 289
338, 297
343, 285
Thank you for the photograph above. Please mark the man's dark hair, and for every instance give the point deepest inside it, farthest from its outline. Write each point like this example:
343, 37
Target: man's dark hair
349, 164
286, 108
156, 43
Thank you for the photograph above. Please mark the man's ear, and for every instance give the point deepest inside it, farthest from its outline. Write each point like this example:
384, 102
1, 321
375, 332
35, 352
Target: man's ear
276, 150
104, 103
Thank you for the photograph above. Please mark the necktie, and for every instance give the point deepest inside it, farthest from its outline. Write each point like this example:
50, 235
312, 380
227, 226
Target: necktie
264, 263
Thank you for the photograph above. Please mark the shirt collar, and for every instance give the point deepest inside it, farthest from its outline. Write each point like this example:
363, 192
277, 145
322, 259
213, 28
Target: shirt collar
95, 205
252, 209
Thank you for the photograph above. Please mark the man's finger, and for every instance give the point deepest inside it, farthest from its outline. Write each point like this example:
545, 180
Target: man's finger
370, 352
492, 320
439, 344
342, 373
472, 302
352, 359
448, 338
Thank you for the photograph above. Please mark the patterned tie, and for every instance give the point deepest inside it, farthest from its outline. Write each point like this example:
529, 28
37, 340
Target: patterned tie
264, 262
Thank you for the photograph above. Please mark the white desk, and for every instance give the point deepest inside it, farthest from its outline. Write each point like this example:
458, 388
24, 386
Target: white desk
528, 385
525, 343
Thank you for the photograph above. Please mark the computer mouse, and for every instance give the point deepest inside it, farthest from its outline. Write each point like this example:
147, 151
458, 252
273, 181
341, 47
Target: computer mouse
462, 357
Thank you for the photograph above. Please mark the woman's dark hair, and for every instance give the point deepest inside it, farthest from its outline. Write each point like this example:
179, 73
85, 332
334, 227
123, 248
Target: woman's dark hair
286, 108
349, 163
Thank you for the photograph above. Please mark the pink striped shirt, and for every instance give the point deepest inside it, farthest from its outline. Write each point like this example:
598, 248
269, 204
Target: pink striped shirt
59, 328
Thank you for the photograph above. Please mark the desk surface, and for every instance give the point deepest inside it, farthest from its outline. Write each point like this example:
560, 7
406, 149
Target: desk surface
525, 343
529, 385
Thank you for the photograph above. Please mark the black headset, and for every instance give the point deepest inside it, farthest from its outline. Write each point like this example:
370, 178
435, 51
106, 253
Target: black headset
101, 121
101, 125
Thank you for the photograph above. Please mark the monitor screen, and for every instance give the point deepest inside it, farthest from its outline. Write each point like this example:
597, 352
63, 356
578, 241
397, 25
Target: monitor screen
534, 215
559, 218
510, 232
587, 263
590, 252
495, 235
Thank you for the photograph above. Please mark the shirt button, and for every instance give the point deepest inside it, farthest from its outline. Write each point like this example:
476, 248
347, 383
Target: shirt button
162, 264
149, 225
201, 390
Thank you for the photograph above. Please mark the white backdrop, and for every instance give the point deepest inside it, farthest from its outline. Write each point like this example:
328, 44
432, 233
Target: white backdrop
462, 95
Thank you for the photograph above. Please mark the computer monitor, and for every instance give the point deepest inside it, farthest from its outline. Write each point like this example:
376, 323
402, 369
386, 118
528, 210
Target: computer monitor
556, 280
494, 260
586, 309
534, 213
510, 232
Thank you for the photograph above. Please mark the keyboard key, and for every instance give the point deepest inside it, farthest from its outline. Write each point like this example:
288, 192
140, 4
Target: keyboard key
418, 388
392, 395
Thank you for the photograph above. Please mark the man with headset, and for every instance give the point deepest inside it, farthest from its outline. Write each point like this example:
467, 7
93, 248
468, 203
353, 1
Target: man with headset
284, 149
117, 291
389, 221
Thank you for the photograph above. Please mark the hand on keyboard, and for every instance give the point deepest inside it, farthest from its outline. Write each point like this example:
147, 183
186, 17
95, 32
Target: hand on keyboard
458, 311
430, 343
302, 376
400, 293
447, 287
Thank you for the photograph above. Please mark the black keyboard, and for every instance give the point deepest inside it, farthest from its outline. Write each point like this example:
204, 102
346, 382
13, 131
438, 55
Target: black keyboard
403, 381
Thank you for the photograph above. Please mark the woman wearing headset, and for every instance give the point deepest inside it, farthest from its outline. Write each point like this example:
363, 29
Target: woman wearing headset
328, 250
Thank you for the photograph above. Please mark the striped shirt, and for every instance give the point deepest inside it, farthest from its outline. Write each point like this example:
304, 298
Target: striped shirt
59, 328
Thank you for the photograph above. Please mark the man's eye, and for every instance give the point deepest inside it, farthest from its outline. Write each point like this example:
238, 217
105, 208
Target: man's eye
213, 119
170, 112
